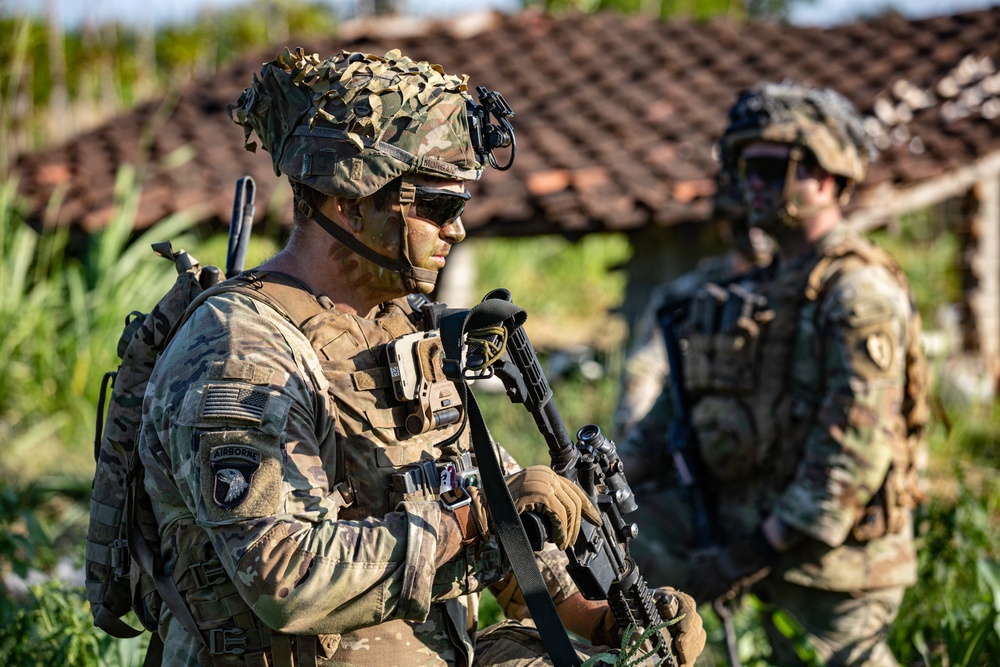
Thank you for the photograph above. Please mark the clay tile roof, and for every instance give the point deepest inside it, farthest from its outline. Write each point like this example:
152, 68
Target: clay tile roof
616, 117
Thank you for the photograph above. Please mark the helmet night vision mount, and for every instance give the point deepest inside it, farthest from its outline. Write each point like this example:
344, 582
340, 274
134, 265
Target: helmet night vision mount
484, 135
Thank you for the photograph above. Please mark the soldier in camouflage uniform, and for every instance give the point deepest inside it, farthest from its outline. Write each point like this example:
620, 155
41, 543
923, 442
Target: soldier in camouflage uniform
807, 392
646, 368
274, 441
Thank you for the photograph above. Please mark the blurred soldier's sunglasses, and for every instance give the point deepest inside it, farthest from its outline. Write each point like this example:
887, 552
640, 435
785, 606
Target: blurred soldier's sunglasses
440, 206
767, 169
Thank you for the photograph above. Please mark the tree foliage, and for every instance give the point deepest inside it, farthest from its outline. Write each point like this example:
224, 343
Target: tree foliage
739, 10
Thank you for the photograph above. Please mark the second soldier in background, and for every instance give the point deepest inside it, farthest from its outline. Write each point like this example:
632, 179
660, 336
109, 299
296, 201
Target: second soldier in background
807, 392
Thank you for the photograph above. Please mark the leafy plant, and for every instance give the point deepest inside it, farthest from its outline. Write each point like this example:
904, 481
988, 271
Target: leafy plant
49, 621
950, 616
59, 325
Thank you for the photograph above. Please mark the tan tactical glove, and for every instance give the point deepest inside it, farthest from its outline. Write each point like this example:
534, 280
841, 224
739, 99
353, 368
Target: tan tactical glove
538, 489
689, 632
687, 635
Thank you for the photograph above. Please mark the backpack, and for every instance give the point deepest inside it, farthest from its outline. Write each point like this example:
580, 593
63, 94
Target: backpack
122, 556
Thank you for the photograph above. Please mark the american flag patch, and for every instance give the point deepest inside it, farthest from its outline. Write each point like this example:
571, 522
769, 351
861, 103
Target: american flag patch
238, 403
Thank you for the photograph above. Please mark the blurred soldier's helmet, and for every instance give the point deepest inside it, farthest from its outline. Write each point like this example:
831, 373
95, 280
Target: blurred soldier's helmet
819, 120
348, 125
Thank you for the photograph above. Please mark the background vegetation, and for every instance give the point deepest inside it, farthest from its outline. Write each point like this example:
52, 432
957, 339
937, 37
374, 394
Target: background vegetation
60, 319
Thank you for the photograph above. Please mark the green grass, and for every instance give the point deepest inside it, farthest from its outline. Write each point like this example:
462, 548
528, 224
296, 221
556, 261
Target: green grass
929, 257
59, 325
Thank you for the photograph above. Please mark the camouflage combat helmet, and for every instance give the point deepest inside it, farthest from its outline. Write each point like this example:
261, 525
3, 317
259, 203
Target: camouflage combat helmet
348, 125
817, 119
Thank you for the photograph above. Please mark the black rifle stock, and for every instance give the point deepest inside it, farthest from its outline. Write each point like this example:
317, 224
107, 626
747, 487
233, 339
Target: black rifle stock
599, 561
681, 443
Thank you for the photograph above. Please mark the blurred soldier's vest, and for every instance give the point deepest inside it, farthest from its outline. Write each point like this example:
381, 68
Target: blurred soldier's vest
374, 453
753, 369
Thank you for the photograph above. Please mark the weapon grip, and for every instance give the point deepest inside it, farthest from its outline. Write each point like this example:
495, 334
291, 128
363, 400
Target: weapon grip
632, 604
537, 528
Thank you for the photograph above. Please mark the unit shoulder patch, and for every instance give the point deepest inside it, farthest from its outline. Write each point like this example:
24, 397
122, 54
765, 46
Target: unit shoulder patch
879, 346
241, 474
234, 467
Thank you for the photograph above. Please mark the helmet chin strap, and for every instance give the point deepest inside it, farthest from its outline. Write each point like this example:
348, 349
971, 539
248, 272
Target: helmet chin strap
790, 213
410, 275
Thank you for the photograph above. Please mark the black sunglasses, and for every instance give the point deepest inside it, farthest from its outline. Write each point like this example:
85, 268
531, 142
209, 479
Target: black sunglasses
440, 206
768, 169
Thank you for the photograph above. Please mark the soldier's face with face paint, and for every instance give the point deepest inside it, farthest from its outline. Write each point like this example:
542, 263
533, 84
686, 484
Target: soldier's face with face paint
433, 225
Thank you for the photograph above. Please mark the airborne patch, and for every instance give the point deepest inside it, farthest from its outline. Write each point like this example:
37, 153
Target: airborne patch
233, 467
231, 402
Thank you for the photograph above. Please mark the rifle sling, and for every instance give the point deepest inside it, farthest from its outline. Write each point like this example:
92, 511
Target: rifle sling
506, 522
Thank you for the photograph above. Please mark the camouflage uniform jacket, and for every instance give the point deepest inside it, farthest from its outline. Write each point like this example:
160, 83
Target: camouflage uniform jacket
268, 448
799, 413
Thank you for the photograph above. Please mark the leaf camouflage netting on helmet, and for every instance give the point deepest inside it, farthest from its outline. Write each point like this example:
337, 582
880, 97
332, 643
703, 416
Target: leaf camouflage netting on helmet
349, 124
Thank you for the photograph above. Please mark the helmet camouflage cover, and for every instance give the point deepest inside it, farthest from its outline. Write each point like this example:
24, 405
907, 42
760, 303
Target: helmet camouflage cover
818, 119
348, 125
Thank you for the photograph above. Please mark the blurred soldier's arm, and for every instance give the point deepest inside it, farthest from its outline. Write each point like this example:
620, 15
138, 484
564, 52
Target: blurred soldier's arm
645, 369
644, 449
862, 328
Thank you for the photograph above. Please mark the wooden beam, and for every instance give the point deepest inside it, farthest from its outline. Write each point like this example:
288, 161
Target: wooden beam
885, 203
985, 299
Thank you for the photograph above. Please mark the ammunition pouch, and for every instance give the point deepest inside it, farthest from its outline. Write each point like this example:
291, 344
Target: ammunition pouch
721, 337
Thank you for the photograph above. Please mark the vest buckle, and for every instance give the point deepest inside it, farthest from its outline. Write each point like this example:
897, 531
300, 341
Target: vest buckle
226, 641
120, 559
208, 573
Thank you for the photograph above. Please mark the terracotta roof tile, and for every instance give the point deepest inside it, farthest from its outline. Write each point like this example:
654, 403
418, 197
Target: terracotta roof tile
616, 116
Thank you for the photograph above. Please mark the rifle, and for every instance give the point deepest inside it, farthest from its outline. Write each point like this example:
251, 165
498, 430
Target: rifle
682, 446
599, 561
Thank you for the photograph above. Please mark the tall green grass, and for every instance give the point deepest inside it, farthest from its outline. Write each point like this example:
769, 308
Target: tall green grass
59, 324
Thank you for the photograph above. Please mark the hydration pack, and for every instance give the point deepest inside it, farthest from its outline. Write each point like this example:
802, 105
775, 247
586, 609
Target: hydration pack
122, 572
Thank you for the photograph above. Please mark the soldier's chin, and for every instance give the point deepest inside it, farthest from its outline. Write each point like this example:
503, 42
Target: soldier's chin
423, 287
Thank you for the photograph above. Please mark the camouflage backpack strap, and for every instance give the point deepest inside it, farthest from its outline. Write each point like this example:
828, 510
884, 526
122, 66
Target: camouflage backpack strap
287, 295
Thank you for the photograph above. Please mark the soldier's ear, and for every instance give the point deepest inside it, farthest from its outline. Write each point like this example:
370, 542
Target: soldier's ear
348, 211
